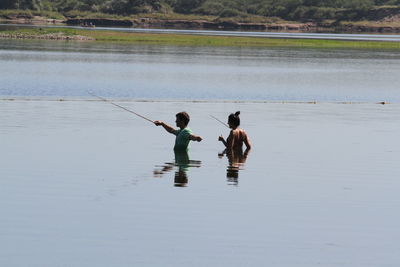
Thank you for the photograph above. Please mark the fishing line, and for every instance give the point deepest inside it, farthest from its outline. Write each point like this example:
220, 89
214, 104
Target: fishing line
112, 103
223, 123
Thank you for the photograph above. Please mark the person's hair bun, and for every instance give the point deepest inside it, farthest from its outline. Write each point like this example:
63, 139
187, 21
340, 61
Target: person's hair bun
237, 113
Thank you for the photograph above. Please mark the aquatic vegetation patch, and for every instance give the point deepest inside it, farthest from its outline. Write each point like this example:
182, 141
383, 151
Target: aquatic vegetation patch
191, 40
47, 34
203, 40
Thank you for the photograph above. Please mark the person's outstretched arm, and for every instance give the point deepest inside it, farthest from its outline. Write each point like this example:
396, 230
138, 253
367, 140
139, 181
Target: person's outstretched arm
195, 138
168, 128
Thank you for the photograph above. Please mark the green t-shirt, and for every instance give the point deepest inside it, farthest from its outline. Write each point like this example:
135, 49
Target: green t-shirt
182, 138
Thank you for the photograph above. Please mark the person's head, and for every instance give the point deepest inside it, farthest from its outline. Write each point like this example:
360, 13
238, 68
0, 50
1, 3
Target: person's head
182, 119
234, 120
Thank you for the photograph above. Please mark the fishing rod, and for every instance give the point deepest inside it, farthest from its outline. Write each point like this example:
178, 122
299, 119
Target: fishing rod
112, 103
223, 123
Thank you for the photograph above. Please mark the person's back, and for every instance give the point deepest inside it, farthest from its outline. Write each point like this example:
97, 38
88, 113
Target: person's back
237, 136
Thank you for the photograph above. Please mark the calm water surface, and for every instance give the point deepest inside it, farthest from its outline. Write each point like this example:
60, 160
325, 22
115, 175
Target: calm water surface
62, 69
84, 183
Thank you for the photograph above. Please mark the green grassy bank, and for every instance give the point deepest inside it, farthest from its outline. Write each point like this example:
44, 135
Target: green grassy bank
196, 40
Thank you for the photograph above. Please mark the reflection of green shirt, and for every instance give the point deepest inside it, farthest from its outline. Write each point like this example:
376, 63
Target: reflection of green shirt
182, 159
182, 138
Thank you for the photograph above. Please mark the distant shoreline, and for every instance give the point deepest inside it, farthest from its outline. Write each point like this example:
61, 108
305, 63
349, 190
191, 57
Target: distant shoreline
311, 27
230, 25
47, 36
140, 100
188, 39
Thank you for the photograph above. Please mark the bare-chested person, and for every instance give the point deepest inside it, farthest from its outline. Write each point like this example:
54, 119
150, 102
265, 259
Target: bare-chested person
237, 135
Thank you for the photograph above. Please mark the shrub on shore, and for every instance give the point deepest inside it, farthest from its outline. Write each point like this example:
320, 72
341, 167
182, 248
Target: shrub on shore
299, 10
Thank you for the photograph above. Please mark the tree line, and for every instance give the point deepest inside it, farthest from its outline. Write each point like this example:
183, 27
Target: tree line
285, 9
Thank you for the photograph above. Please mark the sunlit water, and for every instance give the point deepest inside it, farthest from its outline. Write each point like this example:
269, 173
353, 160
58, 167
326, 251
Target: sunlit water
62, 69
84, 183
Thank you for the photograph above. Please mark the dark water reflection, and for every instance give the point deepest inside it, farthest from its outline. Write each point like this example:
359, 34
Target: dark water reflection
181, 165
236, 162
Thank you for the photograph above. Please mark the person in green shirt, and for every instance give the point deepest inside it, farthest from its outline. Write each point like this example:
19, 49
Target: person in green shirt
183, 135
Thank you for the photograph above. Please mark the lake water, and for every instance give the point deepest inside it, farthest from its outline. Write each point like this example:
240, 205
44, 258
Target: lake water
84, 183
70, 69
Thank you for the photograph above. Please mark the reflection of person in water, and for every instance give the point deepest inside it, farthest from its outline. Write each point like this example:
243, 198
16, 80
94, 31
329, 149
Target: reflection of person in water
183, 163
234, 147
236, 159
